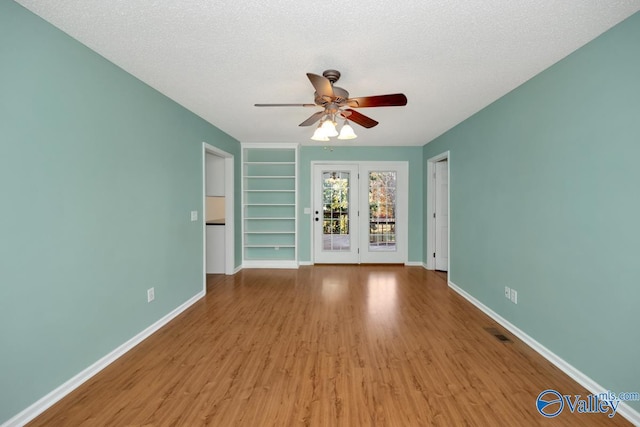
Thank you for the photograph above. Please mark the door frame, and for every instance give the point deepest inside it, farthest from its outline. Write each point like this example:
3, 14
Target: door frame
402, 210
403, 233
229, 211
431, 202
355, 183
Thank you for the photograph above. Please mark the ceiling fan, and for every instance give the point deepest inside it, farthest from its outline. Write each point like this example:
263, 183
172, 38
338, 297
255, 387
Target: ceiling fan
335, 103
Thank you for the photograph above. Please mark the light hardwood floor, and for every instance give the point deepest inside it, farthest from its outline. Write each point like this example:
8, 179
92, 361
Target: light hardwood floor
324, 346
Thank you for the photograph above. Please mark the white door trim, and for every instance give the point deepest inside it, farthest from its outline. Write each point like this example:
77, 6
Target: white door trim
229, 185
431, 199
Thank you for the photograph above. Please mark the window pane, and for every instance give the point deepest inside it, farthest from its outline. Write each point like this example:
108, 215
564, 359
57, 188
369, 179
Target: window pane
382, 211
335, 210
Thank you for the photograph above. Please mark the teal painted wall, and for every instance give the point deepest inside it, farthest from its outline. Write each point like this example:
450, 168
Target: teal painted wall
544, 199
98, 175
413, 155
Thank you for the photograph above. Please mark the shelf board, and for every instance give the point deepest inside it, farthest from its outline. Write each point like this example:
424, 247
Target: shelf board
270, 217
269, 163
268, 204
269, 176
270, 232
269, 246
269, 191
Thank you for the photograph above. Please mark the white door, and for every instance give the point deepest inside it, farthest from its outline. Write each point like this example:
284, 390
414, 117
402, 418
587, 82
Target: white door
442, 216
383, 224
335, 214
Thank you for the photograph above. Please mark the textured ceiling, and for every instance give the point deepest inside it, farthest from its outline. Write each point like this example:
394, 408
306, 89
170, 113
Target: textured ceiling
218, 58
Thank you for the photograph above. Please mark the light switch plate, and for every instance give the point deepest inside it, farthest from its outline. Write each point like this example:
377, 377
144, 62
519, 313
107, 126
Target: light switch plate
194, 215
307, 210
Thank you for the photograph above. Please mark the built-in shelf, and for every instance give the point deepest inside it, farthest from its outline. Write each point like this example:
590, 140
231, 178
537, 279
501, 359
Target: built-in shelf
269, 183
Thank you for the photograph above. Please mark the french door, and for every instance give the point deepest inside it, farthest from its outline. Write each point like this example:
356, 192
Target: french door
360, 212
335, 213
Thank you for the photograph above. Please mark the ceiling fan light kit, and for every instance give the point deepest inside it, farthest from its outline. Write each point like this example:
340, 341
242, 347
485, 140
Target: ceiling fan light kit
329, 127
336, 103
347, 131
319, 135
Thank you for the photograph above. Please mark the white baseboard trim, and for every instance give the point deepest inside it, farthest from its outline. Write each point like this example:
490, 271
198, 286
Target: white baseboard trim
270, 264
305, 262
237, 270
54, 396
623, 408
413, 263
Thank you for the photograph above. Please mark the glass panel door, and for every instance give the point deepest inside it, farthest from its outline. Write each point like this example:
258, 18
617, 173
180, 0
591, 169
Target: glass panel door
384, 233
335, 211
335, 214
382, 211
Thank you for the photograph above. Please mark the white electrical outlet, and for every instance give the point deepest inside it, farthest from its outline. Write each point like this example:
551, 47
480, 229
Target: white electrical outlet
194, 215
151, 294
514, 296
507, 292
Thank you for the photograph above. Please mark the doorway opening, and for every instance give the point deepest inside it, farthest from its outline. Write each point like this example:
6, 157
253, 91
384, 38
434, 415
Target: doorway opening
218, 211
438, 248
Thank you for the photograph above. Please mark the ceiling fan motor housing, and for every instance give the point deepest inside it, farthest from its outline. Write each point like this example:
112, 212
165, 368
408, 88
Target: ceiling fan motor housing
340, 95
332, 75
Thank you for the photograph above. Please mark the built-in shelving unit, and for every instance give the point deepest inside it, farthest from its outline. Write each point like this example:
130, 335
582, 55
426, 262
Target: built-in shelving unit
269, 173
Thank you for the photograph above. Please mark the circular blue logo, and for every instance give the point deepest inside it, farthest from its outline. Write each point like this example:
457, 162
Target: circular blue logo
549, 403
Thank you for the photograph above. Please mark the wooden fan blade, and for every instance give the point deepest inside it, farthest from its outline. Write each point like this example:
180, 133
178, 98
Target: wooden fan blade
393, 100
322, 85
285, 105
361, 119
311, 120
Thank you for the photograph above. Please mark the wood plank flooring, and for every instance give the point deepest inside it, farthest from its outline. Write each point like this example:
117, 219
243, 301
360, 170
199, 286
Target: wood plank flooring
324, 346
